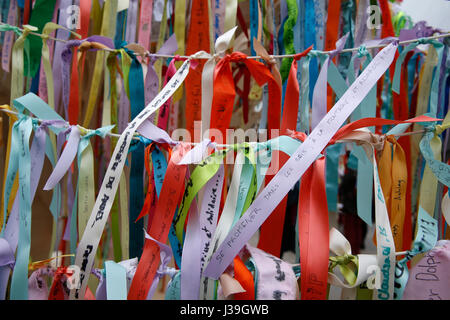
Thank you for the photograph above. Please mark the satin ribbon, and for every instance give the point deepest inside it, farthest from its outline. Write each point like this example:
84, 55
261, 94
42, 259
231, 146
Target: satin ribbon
165, 256
245, 278
49, 28
425, 240
163, 115
10, 235
20, 137
272, 229
353, 268
160, 227
255, 215
393, 178
224, 91
80, 146
70, 97
145, 23
107, 29
319, 103
313, 233
274, 278
9, 35
221, 45
41, 14
137, 104
197, 40
17, 72
287, 37
385, 242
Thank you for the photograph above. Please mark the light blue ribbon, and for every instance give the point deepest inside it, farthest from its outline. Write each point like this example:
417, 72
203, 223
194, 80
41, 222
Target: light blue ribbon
20, 147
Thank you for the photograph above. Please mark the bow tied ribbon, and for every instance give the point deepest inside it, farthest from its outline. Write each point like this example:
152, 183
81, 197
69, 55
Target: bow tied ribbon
224, 91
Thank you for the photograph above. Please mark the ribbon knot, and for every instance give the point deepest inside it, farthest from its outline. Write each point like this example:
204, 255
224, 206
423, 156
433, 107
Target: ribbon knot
316, 54
344, 259
439, 128
7, 27
88, 133
362, 51
300, 55
422, 41
341, 260
235, 57
47, 123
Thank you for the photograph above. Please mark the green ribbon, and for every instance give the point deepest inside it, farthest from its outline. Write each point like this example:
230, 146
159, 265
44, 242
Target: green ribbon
41, 14
348, 265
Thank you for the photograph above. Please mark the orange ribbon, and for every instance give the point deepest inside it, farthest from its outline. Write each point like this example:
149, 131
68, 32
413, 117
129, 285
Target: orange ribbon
245, 278
159, 229
393, 175
197, 40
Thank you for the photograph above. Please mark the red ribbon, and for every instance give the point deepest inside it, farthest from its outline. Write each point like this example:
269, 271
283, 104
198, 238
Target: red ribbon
225, 92
159, 229
271, 234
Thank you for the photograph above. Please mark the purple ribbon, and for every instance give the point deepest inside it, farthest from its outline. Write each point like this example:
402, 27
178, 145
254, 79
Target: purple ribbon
166, 256
66, 158
66, 58
8, 244
319, 103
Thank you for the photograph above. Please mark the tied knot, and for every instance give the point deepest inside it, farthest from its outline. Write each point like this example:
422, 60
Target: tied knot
362, 51
300, 55
235, 57
391, 139
438, 129
296, 134
201, 55
341, 260
316, 54
151, 57
178, 58
87, 45
101, 132
44, 124
423, 41
7, 27
29, 28
348, 264
377, 141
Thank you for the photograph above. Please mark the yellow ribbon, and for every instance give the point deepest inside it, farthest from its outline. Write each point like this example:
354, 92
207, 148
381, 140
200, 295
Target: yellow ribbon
12, 119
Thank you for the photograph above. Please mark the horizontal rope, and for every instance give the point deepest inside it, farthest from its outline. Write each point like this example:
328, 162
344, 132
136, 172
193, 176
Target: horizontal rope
279, 56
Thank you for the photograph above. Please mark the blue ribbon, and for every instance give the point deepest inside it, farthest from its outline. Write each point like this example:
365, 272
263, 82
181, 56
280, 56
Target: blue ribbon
137, 104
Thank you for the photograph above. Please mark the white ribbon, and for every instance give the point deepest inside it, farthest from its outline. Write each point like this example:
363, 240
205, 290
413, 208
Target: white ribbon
340, 246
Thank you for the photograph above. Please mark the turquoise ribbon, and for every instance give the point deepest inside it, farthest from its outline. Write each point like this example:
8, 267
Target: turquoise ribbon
137, 104
440, 169
20, 148
304, 87
7, 27
310, 39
